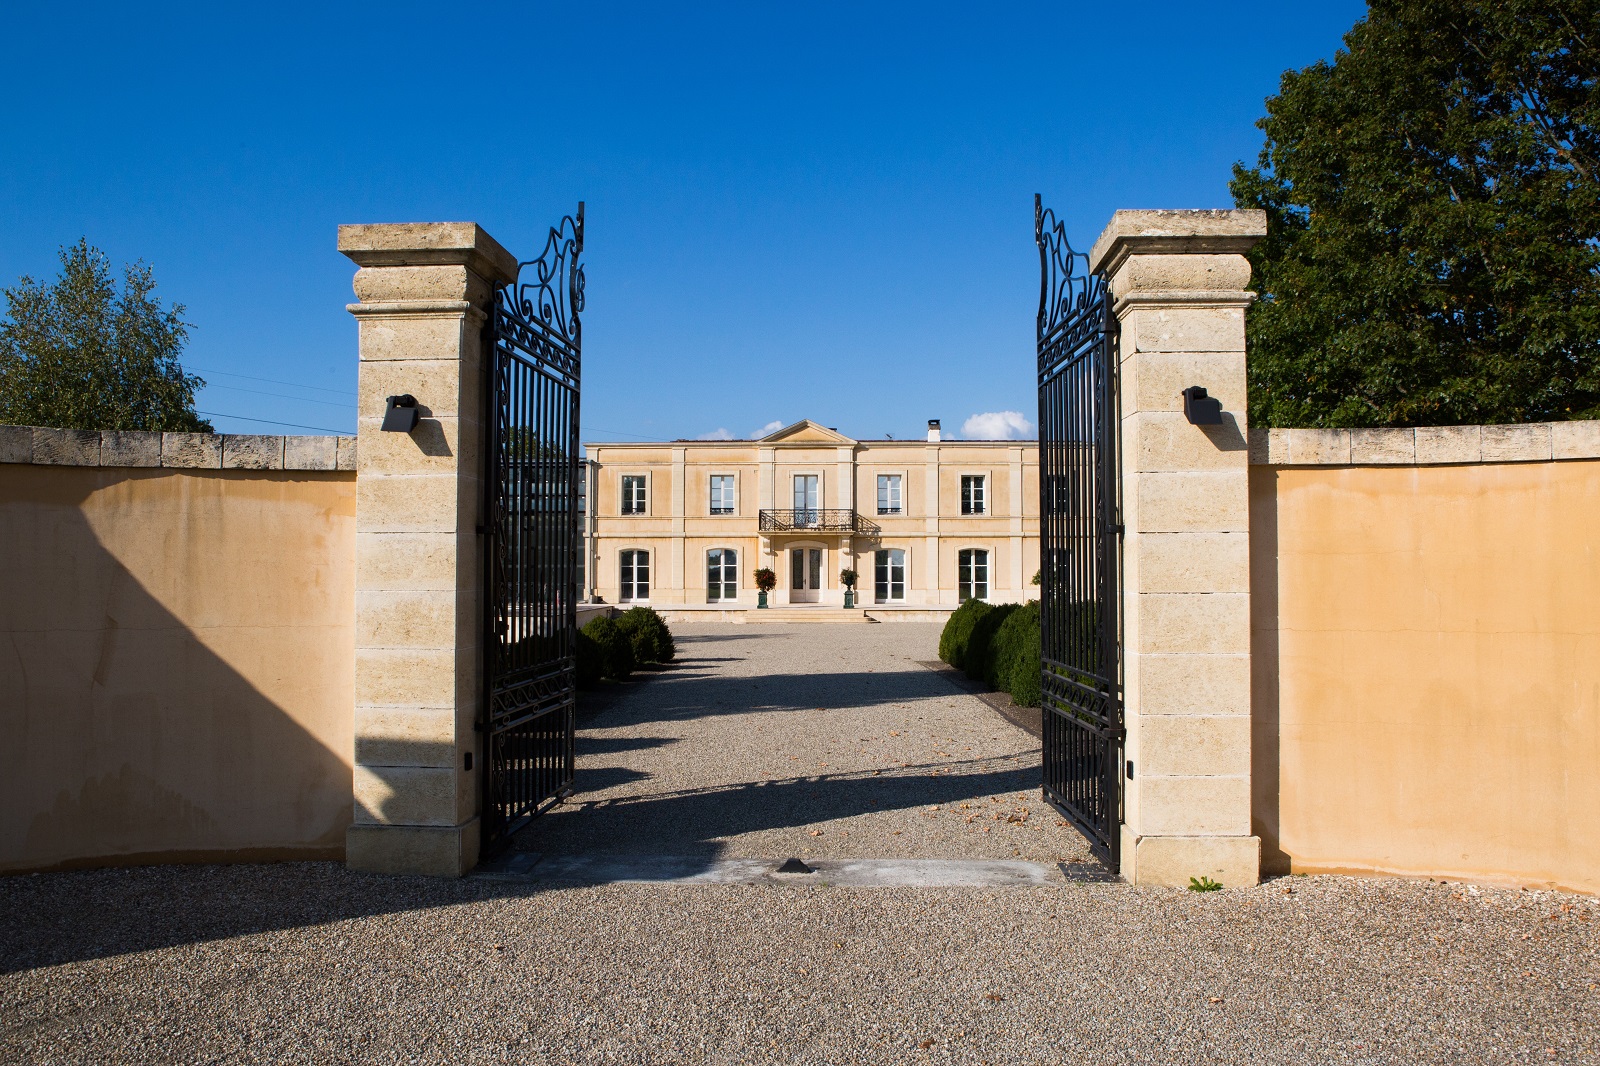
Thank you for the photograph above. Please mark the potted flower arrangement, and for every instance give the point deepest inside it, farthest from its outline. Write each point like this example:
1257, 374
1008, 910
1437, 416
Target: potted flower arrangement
766, 581
847, 578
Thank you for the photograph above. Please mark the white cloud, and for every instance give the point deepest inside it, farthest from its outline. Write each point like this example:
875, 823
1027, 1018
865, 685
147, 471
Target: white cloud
770, 427
997, 425
716, 434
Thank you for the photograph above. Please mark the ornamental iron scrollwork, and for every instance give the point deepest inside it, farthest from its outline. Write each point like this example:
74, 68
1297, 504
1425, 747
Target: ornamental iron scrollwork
1069, 292
542, 310
1079, 542
531, 536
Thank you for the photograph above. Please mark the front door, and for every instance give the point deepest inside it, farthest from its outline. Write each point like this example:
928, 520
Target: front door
805, 575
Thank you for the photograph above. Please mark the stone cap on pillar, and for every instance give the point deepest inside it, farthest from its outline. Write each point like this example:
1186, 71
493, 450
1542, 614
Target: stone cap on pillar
1218, 232
399, 244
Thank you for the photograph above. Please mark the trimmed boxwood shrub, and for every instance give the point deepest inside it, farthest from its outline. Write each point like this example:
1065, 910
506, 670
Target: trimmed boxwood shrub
616, 648
648, 632
1017, 654
979, 660
590, 665
958, 629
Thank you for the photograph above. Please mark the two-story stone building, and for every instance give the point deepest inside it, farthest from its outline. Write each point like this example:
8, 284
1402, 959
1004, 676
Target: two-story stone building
925, 524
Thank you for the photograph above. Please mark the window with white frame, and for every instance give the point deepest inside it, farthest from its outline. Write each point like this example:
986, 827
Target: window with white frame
633, 494
972, 574
889, 501
972, 494
722, 575
634, 575
807, 499
722, 494
890, 576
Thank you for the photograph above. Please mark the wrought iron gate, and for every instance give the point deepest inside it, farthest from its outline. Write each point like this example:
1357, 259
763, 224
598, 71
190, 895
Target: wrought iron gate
533, 347
1080, 540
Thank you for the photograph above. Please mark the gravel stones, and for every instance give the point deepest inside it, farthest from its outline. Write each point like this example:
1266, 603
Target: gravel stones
812, 741
722, 757
308, 963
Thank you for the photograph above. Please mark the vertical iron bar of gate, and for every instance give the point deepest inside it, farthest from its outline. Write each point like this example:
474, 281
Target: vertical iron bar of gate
1080, 541
533, 356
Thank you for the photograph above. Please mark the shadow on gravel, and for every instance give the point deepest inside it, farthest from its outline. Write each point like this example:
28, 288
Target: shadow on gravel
55, 918
692, 821
681, 693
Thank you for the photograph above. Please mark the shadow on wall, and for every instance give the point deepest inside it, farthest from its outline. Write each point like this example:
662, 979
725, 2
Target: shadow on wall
1265, 736
178, 662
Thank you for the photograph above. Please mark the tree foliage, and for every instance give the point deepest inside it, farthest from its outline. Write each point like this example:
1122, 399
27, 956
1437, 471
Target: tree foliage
1433, 238
80, 354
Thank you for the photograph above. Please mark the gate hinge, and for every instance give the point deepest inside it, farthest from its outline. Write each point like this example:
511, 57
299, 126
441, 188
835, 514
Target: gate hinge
1119, 529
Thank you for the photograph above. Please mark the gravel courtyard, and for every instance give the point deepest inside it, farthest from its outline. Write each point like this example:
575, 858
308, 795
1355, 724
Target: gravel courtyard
308, 963
816, 741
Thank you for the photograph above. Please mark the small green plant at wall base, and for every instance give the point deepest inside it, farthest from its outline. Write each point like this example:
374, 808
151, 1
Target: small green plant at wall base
847, 578
1203, 884
1036, 576
766, 579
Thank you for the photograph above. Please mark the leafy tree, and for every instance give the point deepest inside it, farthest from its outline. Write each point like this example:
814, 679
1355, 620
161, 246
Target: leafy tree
1433, 237
79, 354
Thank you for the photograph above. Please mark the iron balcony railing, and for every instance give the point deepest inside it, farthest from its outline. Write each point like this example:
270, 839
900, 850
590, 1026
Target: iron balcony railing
820, 520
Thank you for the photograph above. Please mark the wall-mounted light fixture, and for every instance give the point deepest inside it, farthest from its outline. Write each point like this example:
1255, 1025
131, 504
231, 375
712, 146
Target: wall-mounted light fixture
1200, 409
401, 414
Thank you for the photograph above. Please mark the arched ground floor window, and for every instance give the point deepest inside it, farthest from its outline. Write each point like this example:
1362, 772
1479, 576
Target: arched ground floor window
889, 575
972, 574
634, 575
722, 575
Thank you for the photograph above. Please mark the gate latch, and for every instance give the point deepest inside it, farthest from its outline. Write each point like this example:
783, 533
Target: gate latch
1200, 409
401, 414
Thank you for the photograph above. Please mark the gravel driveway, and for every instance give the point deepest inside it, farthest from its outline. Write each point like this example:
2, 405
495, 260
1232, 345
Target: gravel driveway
816, 741
308, 963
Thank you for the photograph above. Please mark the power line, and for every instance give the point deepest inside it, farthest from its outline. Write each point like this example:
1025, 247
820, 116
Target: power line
283, 396
269, 422
273, 381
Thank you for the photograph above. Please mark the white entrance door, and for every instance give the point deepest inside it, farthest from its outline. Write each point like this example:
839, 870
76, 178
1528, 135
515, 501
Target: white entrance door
806, 500
805, 575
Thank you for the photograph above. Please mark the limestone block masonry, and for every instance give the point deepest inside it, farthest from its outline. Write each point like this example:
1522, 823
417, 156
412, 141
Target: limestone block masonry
425, 290
1178, 283
185, 451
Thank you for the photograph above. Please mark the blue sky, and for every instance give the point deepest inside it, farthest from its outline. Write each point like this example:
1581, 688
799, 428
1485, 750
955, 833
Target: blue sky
804, 211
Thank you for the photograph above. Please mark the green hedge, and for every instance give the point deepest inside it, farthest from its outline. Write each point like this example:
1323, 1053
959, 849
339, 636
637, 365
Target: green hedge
979, 661
1017, 655
652, 640
998, 644
615, 647
958, 630
590, 666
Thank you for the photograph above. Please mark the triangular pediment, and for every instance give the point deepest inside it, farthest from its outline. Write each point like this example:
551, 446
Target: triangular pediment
806, 431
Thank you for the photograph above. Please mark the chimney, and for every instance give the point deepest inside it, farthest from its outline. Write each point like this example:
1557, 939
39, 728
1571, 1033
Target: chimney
933, 431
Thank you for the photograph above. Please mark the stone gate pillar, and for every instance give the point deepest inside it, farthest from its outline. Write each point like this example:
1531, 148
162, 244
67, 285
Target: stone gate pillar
424, 290
1178, 281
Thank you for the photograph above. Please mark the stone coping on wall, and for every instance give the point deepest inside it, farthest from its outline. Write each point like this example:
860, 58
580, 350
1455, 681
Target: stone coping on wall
183, 451
1426, 445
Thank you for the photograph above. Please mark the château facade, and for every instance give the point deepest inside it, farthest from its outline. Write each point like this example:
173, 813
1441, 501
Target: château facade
925, 524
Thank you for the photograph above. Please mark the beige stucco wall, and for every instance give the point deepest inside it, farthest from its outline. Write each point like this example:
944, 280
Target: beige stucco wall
1426, 647
177, 664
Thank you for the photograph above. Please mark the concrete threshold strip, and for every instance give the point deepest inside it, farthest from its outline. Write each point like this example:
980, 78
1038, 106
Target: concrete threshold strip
842, 873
